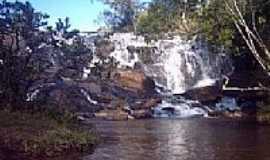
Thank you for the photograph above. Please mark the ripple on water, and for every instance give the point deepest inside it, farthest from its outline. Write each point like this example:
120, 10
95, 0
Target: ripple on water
186, 139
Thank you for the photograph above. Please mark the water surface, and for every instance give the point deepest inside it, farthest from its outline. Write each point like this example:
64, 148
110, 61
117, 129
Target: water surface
188, 139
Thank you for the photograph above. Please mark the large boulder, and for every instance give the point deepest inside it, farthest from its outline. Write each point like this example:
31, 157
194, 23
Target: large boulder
142, 109
135, 81
65, 96
204, 94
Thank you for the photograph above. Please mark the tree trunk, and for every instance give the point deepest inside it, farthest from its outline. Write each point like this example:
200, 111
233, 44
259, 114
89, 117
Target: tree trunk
251, 37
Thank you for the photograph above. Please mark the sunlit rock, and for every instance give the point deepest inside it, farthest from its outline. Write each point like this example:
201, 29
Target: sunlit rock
134, 81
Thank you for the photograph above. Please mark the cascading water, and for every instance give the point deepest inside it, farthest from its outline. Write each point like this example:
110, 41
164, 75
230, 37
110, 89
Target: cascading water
176, 64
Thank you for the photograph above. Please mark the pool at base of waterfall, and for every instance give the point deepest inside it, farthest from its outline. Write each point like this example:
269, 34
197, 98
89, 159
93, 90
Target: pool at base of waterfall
181, 139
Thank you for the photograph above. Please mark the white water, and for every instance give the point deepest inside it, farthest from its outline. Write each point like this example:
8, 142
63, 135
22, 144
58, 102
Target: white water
227, 103
88, 97
181, 110
176, 64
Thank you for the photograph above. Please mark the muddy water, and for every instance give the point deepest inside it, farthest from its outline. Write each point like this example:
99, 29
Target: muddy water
188, 139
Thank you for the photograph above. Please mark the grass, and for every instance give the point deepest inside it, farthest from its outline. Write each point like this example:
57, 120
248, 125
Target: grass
41, 135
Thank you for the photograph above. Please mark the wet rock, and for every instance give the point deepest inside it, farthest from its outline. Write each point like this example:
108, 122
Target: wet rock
234, 115
113, 115
146, 104
117, 104
141, 114
204, 94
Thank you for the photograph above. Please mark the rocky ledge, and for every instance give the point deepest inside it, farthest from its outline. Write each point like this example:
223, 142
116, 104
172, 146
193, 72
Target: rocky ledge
126, 94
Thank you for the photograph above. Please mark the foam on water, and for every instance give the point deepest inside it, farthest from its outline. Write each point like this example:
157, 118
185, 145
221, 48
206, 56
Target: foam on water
180, 110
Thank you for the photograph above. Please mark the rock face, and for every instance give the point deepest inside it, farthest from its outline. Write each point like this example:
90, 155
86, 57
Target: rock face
177, 63
64, 96
135, 81
204, 94
128, 95
103, 47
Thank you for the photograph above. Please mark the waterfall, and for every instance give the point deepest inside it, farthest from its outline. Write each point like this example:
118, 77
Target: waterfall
176, 64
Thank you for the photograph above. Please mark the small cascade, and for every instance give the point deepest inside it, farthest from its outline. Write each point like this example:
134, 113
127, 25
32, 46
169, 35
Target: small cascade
176, 64
32, 95
88, 97
178, 110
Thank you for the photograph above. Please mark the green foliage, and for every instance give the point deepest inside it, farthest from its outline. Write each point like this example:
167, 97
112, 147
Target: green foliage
152, 21
169, 16
121, 14
39, 135
210, 19
27, 52
217, 25
19, 29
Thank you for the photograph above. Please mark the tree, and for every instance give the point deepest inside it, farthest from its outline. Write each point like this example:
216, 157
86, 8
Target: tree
28, 54
122, 14
249, 31
20, 38
72, 55
239, 25
170, 16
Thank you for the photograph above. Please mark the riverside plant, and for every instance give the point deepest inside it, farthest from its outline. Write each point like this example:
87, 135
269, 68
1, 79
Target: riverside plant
40, 135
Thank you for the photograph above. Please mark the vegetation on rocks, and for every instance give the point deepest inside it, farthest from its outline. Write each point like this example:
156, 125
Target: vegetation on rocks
33, 55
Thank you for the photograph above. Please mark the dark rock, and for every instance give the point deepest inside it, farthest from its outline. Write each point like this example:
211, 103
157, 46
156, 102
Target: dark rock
204, 94
69, 73
146, 104
103, 48
141, 114
66, 97
251, 95
92, 87
145, 53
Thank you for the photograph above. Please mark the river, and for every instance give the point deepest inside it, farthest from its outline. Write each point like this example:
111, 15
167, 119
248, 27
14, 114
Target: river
181, 139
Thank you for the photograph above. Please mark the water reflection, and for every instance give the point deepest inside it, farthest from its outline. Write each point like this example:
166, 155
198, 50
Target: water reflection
181, 140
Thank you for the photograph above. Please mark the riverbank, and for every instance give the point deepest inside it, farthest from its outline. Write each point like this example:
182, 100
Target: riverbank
41, 135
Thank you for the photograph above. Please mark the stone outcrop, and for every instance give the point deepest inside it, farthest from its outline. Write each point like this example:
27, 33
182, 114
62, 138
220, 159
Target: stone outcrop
134, 81
204, 94
128, 95
103, 48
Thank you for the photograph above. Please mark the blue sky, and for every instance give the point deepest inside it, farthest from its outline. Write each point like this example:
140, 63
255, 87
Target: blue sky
82, 13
